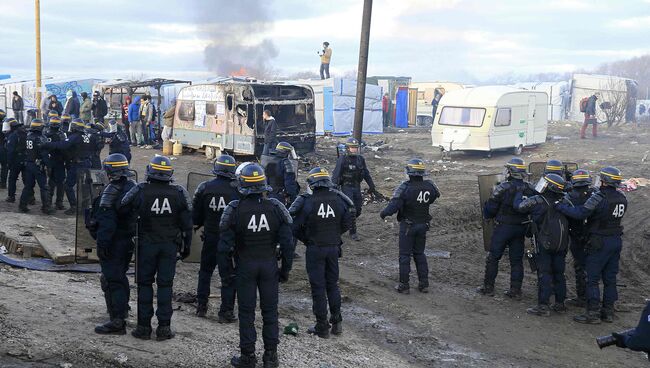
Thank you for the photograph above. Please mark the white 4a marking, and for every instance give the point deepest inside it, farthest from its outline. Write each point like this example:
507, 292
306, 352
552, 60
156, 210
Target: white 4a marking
325, 213
257, 227
166, 207
213, 204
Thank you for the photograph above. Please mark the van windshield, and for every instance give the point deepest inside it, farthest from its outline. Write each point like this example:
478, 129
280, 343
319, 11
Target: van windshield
462, 116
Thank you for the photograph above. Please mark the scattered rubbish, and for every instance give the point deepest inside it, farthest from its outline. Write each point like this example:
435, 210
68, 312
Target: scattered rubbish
634, 184
645, 157
568, 125
634, 142
377, 157
122, 358
559, 138
23, 353
3, 249
388, 179
291, 329
185, 297
65, 365
26, 233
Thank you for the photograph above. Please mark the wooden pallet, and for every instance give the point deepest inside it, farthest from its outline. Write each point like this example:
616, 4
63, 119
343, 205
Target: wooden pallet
59, 252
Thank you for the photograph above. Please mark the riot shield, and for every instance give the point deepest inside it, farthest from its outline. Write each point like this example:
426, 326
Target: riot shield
193, 181
536, 170
486, 184
90, 184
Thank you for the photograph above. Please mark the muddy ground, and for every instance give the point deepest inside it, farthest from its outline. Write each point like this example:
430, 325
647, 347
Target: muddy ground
46, 319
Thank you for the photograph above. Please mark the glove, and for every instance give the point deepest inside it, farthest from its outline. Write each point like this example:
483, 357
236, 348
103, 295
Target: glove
103, 253
185, 250
620, 339
284, 276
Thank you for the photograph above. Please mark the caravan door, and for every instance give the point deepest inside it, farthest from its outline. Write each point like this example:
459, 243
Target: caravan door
530, 121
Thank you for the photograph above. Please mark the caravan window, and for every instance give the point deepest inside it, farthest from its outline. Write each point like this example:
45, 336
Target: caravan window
462, 116
503, 117
186, 111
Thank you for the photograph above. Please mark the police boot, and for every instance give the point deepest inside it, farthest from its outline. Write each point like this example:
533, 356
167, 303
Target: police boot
607, 314
403, 288
227, 317
270, 358
513, 293
59, 206
11, 199
164, 332
201, 310
32, 201
337, 324
22, 207
321, 329
591, 317
577, 302
244, 361
115, 326
487, 290
541, 310
71, 211
142, 332
47, 210
559, 308
423, 288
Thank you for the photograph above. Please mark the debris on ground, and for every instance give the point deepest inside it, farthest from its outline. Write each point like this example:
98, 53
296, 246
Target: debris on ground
438, 254
185, 297
634, 184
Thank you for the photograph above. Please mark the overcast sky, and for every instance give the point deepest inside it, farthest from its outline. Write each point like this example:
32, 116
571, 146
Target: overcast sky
459, 40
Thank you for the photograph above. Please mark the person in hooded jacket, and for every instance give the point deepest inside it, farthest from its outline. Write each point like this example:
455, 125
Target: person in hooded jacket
85, 110
54, 105
72, 104
125, 117
137, 138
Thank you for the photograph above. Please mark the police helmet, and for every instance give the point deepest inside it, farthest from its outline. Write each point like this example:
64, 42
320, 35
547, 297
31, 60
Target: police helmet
65, 118
352, 146
611, 176
98, 126
555, 183
415, 167
13, 123
225, 166
580, 178
516, 168
319, 177
252, 180
160, 168
77, 125
36, 125
116, 166
55, 122
554, 167
283, 149
52, 114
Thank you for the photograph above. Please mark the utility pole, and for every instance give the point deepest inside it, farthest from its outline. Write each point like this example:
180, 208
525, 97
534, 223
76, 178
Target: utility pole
37, 17
362, 69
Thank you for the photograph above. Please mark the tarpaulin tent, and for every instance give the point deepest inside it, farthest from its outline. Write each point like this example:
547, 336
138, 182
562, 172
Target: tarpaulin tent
558, 96
401, 107
610, 88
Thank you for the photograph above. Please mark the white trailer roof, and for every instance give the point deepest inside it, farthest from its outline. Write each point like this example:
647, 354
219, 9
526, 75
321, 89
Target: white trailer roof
480, 96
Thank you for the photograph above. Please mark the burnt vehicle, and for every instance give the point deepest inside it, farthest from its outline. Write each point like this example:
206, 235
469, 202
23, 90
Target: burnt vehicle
226, 116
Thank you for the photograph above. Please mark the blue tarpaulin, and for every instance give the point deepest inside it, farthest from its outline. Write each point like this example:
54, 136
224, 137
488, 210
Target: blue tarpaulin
328, 111
46, 264
402, 108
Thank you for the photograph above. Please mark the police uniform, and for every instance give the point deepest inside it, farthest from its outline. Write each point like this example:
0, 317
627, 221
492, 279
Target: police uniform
282, 175
36, 159
639, 339
15, 157
350, 170
164, 228
97, 143
319, 220
119, 142
551, 260
509, 231
210, 200
78, 150
252, 228
411, 201
115, 234
4, 168
604, 212
579, 234
57, 163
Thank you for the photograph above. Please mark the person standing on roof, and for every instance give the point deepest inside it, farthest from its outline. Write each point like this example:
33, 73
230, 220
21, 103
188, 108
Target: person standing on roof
325, 58
270, 132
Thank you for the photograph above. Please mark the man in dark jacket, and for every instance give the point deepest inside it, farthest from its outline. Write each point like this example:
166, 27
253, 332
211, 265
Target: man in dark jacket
72, 104
4, 168
590, 116
99, 107
54, 105
18, 106
270, 132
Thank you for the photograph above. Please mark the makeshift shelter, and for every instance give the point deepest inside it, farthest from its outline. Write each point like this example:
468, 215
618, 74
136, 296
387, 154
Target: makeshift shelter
426, 91
611, 89
335, 101
558, 96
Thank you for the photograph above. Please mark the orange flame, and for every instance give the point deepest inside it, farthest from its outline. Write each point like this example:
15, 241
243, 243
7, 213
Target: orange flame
242, 72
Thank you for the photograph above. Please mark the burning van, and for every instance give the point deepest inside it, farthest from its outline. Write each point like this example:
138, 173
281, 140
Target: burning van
227, 116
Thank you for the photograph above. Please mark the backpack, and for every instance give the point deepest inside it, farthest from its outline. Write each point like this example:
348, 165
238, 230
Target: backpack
553, 233
583, 104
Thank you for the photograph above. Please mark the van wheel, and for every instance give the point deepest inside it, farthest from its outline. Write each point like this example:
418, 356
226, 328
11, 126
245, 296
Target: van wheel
518, 150
210, 152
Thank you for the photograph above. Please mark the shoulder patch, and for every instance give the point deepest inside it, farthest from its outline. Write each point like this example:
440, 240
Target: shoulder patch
185, 194
288, 166
110, 193
131, 194
201, 188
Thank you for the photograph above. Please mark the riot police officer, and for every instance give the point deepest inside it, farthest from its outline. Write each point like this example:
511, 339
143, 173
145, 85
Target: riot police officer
411, 202
319, 220
509, 231
164, 229
15, 155
65, 122
551, 240
350, 170
57, 162
78, 149
252, 228
282, 175
4, 168
210, 200
554, 167
639, 338
96, 132
36, 160
115, 234
119, 141
580, 191
604, 212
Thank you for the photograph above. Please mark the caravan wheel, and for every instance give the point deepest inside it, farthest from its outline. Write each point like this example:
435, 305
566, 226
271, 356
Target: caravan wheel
210, 152
518, 150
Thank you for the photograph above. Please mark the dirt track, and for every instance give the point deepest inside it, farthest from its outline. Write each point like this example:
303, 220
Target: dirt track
46, 319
